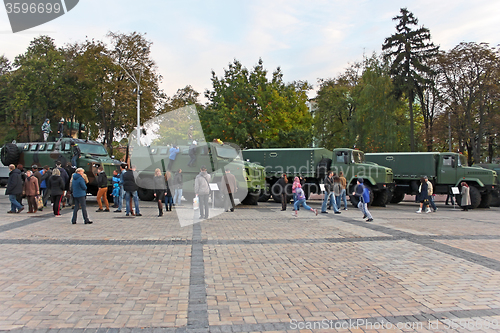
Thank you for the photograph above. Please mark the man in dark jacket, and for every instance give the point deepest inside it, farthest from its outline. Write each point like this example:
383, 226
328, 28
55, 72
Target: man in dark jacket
47, 173
64, 174
329, 198
14, 188
102, 193
79, 195
38, 176
363, 194
192, 153
130, 188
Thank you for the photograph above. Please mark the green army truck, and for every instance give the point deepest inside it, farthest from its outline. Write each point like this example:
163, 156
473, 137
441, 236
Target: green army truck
216, 157
444, 170
495, 199
93, 154
313, 164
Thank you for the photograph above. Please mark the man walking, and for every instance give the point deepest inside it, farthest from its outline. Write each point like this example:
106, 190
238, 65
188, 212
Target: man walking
202, 191
363, 194
14, 188
79, 196
130, 187
229, 188
430, 192
329, 197
102, 193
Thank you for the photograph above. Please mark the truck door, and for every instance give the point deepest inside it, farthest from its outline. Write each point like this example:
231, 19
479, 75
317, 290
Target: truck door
448, 170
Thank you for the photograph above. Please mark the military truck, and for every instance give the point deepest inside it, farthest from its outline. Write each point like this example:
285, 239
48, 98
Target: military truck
495, 195
313, 164
444, 170
216, 157
93, 154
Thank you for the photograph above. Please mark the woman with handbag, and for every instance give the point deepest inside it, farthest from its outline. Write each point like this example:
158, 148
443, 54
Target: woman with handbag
31, 190
423, 196
56, 185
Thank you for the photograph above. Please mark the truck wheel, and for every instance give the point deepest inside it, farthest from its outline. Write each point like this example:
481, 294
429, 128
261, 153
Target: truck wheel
264, 194
475, 197
251, 199
486, 200
10, 154
495, 199
397, 197
380, 198
145, 194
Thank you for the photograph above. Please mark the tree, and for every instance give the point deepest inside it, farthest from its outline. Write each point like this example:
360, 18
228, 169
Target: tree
248, 109
468, 82
409, 49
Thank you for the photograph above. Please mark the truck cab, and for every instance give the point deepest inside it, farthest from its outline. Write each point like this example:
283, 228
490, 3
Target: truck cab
378, 178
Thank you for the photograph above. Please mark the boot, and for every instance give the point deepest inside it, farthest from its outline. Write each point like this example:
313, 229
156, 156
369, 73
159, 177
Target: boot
160, 213
170, 207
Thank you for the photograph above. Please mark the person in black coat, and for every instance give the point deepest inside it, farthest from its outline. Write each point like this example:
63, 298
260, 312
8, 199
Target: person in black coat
423, 196
14, 188
56, 186
160, 189
130, 187
282, 182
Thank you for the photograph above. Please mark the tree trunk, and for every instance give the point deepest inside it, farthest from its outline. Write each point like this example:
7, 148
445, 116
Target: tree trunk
412, 131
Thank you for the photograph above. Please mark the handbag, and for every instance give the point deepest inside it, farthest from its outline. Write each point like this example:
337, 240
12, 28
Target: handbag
196, 203
39, 202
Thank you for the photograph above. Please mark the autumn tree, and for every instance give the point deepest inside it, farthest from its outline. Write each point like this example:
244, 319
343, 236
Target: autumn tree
247, 108
409, 49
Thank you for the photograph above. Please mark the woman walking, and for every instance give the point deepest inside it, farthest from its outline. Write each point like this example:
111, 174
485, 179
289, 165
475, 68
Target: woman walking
31, 191
159, 183
423, 196
56, 186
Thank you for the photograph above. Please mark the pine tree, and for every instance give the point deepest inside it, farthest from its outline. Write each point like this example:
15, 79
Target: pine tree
408, 50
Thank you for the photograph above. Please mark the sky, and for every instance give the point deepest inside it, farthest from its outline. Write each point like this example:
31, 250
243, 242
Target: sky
309, 40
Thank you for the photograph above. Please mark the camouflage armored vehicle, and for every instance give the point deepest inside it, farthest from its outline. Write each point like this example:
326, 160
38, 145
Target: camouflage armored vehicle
216, 157
314, 163
444, 170
93, 154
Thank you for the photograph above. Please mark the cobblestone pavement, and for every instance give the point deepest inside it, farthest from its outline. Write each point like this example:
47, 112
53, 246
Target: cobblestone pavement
255, 270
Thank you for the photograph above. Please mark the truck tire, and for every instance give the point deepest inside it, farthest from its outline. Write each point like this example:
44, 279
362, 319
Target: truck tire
380, 198
486, 200
397, 197
264, 194
251, 199
495, 199
145, 194
475, 197
10, 154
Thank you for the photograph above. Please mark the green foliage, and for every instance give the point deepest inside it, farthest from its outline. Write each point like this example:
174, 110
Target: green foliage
248, 109
409, 49
361, 110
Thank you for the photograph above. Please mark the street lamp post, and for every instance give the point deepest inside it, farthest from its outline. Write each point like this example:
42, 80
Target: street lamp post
137, 90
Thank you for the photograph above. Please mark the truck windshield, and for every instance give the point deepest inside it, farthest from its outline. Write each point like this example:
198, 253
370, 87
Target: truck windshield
462, 161
358, 157
227, 152
92, 149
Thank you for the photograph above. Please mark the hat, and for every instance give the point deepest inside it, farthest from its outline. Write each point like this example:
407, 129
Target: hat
425, 177
361, 180
34, 166
62, 120
194, 142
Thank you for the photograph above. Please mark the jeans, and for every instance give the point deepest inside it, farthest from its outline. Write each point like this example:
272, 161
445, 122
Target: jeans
136, 202
203, 205
302, 202
120, 202
80, 202
168, 201
363, 207
177, 196
431, 202
331, 197
343, 198
14, 204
